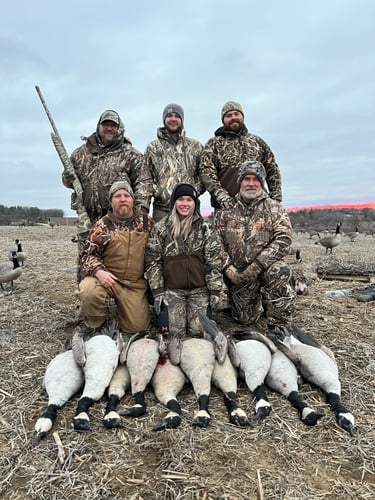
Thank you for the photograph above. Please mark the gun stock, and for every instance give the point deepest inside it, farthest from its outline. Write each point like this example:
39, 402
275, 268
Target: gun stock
84, 223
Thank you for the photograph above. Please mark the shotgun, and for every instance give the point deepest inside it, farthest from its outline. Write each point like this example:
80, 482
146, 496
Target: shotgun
84, 223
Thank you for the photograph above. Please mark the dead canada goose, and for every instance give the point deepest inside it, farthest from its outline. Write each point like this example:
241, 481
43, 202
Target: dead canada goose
119, 384
98, 357
317, 365
224, 375
283, 378
332, 241
141, 357
10, 271
62, 379
167, 382
353, 235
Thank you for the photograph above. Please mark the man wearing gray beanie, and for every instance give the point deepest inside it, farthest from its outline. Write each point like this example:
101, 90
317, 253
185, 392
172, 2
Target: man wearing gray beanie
172, 158
227, 150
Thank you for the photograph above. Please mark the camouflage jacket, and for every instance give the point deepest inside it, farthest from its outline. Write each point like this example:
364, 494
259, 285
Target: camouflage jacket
98, 168
260, 231
93, 251
171, 163
196, 260
222, 156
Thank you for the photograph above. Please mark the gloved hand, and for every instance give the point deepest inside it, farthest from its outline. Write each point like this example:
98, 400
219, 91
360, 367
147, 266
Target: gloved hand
159, 300
251, 272
232, 273
69, 178
214, 301
225, 201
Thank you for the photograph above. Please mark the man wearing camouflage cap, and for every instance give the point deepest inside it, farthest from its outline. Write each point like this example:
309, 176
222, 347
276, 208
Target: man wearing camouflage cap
256, 233
223, 154
172, 158
107, 156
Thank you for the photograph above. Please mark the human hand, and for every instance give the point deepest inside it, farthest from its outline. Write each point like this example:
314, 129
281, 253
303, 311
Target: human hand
252, 272
225, 201
159, 300
69, 177
105, 278
233, 274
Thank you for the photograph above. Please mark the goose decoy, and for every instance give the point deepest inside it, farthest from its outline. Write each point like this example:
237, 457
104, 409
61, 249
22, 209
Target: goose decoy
317, 365
283, 378
21, 255
10, 271
353, 235
62, 379
332, 241
141, 357
98, 357
299, 280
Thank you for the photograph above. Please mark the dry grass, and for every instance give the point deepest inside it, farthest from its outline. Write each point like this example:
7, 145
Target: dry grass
279, 459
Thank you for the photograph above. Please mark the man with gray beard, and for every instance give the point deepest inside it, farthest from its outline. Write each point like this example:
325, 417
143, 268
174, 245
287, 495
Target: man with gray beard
256, 234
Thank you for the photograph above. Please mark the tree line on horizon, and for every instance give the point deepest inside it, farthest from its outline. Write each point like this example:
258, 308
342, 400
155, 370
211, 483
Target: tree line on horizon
21, 216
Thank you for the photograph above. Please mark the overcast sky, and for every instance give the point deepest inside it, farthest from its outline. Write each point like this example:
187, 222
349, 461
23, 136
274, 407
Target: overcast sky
303, 71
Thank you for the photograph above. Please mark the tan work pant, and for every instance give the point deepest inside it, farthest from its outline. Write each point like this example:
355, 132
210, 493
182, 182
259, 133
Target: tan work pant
133, 309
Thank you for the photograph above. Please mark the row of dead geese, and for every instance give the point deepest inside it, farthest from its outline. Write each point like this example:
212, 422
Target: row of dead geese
11, 269
104, 362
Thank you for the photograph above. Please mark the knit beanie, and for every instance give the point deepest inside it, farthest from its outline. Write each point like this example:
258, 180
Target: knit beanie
252, 168
173, 108
183, 190
120, 185
231, 106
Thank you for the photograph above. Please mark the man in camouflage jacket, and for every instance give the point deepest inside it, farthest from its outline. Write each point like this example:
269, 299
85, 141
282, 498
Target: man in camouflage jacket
106, 157
256, 234
227, 150
172, 158
113, 258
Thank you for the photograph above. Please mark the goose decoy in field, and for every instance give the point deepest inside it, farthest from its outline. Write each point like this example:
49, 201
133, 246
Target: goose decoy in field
224, 375
62, 379
10, 271
332, 241
98, 357
317, 365
141, 357
21, 255
353, 235
283, 378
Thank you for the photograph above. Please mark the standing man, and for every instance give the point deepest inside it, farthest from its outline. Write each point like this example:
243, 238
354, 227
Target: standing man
113, 258
107, 156
223, 154
256, 233
172, 158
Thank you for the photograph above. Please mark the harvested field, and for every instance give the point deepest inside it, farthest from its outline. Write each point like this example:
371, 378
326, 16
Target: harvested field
280, 458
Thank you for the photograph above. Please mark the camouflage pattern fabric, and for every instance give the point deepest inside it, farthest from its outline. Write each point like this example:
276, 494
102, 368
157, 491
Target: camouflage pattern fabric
171, 163
222, 157
202, 241
184, 307
98, 168
258, 232
271, 295
119, 247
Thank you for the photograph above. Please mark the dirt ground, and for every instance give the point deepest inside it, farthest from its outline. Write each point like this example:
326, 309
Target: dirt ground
280, 458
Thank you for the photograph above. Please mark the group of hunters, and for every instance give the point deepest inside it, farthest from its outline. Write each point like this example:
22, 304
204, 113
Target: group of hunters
174, 260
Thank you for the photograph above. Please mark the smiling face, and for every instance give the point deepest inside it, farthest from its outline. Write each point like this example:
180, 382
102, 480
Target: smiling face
108, 131
122, 204
250, 188
173, 123
233, 120
184, 206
